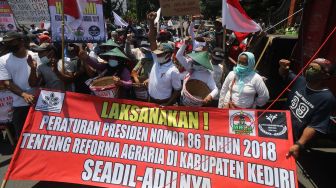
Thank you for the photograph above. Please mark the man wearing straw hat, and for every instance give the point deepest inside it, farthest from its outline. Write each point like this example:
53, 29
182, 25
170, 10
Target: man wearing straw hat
164, 80
198, 65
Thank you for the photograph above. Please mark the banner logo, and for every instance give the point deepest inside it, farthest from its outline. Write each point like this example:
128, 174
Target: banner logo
94, 31
273, 125
50, 101
242, 123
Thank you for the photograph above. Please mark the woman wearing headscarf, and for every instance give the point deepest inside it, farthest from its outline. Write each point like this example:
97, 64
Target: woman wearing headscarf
243, 87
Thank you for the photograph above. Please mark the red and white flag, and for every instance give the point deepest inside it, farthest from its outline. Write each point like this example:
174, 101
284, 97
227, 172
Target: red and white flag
236, 19
73, 9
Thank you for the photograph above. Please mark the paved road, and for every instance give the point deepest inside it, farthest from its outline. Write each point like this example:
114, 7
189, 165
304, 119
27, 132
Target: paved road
318, 165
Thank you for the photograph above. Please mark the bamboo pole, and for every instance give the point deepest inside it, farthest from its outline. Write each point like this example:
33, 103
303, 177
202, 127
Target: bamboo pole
224, 38
3, 184
262, 53
226, 56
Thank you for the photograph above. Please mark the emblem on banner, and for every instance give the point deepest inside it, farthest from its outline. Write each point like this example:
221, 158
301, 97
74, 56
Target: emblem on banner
50, 101
94, 31
242, 122
273, 125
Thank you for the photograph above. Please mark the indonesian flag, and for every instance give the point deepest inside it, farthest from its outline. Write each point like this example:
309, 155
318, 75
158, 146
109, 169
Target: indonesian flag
119, 21
240, 36
236, 19
73, 10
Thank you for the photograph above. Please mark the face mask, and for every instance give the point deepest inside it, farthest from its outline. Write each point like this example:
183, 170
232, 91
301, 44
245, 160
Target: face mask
45, 60
313, 75
113, 63
163, 59
241, 69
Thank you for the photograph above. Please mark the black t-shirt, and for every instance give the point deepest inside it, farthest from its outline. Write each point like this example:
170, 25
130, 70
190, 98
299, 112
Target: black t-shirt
309, 107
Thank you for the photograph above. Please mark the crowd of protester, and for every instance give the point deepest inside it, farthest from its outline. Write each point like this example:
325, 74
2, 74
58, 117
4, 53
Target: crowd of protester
185, 68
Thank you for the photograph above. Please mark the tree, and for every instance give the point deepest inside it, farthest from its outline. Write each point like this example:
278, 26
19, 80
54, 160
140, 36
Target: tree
142, 8
211, 8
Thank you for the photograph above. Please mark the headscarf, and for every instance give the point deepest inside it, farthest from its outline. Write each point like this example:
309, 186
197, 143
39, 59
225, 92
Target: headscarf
243, 71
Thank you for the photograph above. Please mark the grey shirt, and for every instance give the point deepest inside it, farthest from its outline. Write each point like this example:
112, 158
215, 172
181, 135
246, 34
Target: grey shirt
50, 78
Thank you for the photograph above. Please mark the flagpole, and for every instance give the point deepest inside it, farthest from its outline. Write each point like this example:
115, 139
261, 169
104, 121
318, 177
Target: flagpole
3, 184
224, 38
226, 54
63, 45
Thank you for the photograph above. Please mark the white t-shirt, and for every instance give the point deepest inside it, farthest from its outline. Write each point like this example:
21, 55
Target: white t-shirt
18, 70
253, 84
6, 106
163, 79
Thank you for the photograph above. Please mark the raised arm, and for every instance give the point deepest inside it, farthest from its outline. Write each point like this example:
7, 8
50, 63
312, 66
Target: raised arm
152, 31
181, 58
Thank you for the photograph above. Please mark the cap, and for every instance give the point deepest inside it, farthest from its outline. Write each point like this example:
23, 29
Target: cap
164, 48
43, 47
218, 54
163, 32
326, 65
44, 38
219, 20
201, 58
12, 35
115, 53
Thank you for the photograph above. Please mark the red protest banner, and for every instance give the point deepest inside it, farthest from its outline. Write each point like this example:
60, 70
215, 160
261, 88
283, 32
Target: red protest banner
83, 139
